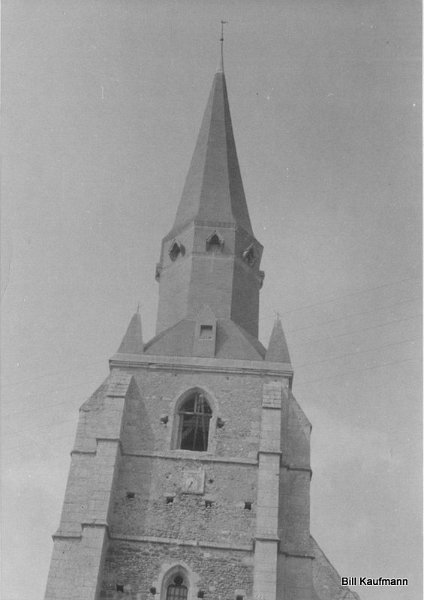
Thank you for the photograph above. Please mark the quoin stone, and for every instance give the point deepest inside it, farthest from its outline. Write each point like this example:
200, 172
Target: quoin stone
190, 472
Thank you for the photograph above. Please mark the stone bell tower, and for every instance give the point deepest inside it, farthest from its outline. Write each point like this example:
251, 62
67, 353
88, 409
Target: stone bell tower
190, 471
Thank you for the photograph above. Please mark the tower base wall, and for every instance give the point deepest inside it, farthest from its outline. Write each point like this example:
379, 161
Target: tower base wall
137, 567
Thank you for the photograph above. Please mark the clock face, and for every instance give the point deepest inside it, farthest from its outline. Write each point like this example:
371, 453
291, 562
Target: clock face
194, 481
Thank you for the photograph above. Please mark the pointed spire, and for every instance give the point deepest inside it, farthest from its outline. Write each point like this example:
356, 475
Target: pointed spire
212, 207
213, 189
277, 349
132, 342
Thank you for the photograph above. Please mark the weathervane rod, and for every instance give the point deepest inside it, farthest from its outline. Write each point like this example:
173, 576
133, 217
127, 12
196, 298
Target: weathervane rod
222, 44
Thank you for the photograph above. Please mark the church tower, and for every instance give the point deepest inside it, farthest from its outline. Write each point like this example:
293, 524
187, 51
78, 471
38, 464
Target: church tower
190, 472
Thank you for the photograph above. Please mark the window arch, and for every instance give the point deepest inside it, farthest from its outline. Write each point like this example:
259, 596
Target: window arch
177, 582
194, 416
249, 255
215, 242
177, 588
175, 250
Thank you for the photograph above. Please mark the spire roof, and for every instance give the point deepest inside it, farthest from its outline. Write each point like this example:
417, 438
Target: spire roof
278, 350
132, 342
211, 256
213, 191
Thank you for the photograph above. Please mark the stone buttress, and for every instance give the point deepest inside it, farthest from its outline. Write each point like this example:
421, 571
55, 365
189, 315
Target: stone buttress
190, 472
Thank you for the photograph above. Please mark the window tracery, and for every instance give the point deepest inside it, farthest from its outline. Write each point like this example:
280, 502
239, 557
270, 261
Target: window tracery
177, 590
194, 417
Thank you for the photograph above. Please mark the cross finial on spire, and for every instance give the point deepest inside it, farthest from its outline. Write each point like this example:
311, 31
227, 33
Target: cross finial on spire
222, 29
221, 66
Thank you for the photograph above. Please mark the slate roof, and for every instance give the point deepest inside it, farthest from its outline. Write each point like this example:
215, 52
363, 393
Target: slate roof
213, 189
232, 341
277, 349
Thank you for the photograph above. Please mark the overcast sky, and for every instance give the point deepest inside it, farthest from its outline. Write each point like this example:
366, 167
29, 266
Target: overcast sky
102, 102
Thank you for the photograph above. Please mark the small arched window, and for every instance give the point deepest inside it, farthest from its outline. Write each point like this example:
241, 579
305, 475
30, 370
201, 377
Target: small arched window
175, 250
194, 418
249, 255
177, 590
214, 243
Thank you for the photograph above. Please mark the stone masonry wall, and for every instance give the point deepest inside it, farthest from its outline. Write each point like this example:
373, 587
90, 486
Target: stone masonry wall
234, 398
154, 520
150, 482
137, 567
152, 471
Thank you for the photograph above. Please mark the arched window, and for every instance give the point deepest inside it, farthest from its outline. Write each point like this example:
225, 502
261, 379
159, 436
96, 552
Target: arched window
175, 250
177, 589
193, 427
249, 255
214, 243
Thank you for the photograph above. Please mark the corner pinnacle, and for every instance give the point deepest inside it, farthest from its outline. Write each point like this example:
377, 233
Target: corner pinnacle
132, 342
277, 349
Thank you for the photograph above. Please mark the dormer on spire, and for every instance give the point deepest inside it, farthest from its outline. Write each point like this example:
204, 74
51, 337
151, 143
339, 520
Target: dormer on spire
205, 333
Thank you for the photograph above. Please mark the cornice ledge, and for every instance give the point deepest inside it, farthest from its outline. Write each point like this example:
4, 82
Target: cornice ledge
216, 224
82, 451
291, 467
115, 440
294, 554
63, 535
266, 537
196, 363
66, 535
152, 539
95, 523
227, 546
269, 451
179, 542
199, 459
79, 450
